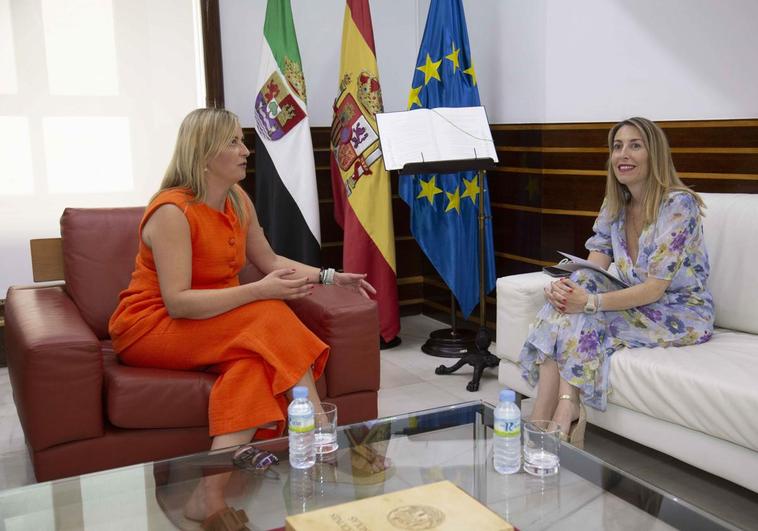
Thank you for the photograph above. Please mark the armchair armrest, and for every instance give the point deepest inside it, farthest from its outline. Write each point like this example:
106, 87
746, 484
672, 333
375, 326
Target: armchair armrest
519, 298
55, 366
349, 324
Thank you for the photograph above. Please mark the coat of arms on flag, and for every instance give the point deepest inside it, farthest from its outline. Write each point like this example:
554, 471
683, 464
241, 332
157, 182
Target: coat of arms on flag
276, 110
352, 139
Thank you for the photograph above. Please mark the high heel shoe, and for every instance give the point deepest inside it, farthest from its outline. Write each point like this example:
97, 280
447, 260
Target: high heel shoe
578, 427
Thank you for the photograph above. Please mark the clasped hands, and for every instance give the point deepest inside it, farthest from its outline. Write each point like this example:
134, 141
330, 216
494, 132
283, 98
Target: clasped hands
566, 296
283, 284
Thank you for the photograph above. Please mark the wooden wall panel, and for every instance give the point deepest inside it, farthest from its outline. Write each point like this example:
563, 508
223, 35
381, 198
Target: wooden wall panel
545, 194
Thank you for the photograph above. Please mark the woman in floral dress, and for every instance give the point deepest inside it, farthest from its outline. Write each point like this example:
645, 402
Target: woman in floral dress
650, 226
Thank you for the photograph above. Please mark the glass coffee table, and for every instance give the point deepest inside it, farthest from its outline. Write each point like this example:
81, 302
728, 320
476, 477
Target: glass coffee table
450, 443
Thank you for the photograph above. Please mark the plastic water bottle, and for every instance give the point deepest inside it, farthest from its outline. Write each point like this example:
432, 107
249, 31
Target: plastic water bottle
507, 434
302, 426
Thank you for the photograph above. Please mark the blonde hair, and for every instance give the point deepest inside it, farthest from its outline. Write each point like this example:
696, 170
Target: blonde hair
662, 177
204, 133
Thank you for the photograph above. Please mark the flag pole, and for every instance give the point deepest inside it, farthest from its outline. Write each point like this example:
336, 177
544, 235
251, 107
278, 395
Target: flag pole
483, 338
479, 357
453, 316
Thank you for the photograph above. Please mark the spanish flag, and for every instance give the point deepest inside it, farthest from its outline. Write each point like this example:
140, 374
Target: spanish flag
360, 183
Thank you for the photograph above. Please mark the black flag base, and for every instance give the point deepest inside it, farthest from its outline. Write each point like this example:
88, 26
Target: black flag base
478, 357
449, 343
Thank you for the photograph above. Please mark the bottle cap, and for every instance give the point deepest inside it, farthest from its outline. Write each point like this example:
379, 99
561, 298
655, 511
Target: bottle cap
300, 392
507, 395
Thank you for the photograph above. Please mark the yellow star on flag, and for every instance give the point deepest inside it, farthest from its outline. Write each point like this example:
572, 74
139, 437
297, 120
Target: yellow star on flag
454, 200
430, 69
472, 189
453, 56
470, 71
429, 189
413, 97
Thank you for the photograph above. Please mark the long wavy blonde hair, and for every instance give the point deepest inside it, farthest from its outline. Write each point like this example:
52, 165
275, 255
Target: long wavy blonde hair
204, 133
662, 178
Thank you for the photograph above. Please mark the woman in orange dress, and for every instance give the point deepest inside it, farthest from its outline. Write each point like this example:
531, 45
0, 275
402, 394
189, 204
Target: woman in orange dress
185, 308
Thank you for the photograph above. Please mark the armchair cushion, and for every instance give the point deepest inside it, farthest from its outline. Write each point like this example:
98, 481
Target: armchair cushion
55, 367
139, 398
729, 227
519, 298
99, 248
349, 324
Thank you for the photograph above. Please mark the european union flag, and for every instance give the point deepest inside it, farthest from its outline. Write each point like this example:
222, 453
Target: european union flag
445, 207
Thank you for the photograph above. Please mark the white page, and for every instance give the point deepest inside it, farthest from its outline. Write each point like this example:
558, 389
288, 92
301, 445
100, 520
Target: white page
581, 262
401, 140
429, 135
463, 133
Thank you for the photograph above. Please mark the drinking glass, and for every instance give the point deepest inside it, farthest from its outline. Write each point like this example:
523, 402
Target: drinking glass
541, 443
326, 429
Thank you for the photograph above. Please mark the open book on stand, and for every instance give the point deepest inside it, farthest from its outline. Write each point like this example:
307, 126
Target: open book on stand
572, 263
442, 134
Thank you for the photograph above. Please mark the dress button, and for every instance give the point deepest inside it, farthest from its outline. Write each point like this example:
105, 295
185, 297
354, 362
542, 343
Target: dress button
231, 241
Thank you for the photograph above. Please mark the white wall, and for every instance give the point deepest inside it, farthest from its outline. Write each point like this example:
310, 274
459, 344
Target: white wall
118, 156
668, 60
536, 60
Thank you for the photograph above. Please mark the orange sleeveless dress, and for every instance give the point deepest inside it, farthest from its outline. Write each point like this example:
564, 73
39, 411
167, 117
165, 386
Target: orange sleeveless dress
259, 350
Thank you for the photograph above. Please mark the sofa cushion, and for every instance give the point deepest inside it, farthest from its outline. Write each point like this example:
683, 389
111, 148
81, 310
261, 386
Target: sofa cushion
709, 387
519, 298
730, 223
99, 249
154, 398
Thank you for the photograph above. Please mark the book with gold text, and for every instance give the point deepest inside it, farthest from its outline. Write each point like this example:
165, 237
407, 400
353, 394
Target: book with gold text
439, 506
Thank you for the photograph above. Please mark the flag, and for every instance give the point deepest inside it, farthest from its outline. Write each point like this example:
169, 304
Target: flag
360, 183
445, 207
285, 173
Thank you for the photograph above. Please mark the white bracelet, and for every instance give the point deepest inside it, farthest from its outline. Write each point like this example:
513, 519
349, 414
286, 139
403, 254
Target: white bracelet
327, 276
597, 302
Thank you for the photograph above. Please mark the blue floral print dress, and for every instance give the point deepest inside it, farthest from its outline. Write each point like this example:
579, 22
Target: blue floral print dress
581, 344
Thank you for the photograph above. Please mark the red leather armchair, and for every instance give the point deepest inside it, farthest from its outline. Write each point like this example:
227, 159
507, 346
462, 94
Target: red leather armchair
82, 411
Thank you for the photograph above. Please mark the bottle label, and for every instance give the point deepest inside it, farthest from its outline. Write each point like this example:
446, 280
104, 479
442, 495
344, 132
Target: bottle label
507, 427
302, 424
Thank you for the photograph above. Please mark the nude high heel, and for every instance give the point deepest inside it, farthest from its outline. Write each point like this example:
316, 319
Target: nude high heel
578, 427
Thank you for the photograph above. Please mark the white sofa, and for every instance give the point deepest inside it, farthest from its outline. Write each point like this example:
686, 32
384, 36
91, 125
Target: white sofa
698, 404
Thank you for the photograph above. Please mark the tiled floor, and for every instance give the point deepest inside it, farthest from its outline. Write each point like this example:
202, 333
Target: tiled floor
15, 466
408, 383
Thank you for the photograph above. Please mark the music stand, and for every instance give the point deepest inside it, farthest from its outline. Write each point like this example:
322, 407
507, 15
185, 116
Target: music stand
453, 342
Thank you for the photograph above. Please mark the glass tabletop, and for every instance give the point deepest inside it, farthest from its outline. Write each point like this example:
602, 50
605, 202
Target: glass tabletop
449, 443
